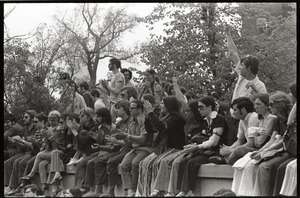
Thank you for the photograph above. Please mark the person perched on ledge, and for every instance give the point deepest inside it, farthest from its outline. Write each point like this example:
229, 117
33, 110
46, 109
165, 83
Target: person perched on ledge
260, 134
244, 111
216, 129
141, 143
11, 165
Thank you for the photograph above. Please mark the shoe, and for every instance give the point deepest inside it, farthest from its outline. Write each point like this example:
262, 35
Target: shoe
189, 194
180, 194
56, 179
72, 162
12, 192
130, 193
155, 193
84, 190
170, 195
44, 187
217, 160
6, 190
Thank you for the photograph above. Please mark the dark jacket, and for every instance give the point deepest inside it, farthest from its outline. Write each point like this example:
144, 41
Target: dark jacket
170, 131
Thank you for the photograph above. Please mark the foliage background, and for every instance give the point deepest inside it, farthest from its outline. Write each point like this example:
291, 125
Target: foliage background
192, 47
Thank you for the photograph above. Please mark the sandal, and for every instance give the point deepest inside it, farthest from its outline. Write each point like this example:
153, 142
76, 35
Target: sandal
56, 179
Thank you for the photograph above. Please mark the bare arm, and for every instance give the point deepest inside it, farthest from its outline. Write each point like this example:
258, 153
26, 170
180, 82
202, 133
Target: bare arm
233, 53
117, 89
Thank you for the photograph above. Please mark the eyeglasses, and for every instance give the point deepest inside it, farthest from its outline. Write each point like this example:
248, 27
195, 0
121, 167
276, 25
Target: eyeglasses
132, 107
201, 107
35, 121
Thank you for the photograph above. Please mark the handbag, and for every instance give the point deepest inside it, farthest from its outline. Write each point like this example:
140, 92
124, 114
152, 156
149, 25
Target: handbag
290, 139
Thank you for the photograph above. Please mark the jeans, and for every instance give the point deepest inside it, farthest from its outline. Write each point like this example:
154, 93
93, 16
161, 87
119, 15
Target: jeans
130, 167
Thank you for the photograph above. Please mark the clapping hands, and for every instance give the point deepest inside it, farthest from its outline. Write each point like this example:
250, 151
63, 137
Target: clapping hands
120, 135
111, 139
73, 126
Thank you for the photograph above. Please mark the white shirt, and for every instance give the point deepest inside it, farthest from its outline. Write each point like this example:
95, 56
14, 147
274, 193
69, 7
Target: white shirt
240, 89
251, 120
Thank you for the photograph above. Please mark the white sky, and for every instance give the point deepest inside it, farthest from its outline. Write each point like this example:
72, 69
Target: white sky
27, 16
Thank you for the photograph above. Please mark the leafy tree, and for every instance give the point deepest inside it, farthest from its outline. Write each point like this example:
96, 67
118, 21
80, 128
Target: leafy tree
97, 32
275, 47
193, 47
22, 90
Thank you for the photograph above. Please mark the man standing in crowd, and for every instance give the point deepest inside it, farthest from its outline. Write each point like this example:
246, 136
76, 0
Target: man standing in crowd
248, 83
128, 76
116, 83
84, 91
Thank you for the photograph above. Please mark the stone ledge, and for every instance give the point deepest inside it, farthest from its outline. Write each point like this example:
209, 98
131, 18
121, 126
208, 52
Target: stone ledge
216, 171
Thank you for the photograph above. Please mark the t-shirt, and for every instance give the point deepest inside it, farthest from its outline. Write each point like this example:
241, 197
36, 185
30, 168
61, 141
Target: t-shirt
118, 77
240, 89
217, 121
280, 126
129, 84
266, 124
251, 120
137, 127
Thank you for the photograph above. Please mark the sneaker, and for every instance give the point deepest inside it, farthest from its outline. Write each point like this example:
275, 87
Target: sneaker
189, 194
155, 193
6, 190
12, 192
170, 195
181, 194
72, 161
130, 193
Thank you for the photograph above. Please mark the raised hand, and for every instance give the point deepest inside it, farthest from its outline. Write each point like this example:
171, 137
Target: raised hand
252, 86
147, 107
175, 80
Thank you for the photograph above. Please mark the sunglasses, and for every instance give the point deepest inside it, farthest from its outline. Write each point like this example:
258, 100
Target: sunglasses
201, 107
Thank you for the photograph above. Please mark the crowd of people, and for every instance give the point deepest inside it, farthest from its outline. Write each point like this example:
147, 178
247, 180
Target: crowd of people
156, 137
